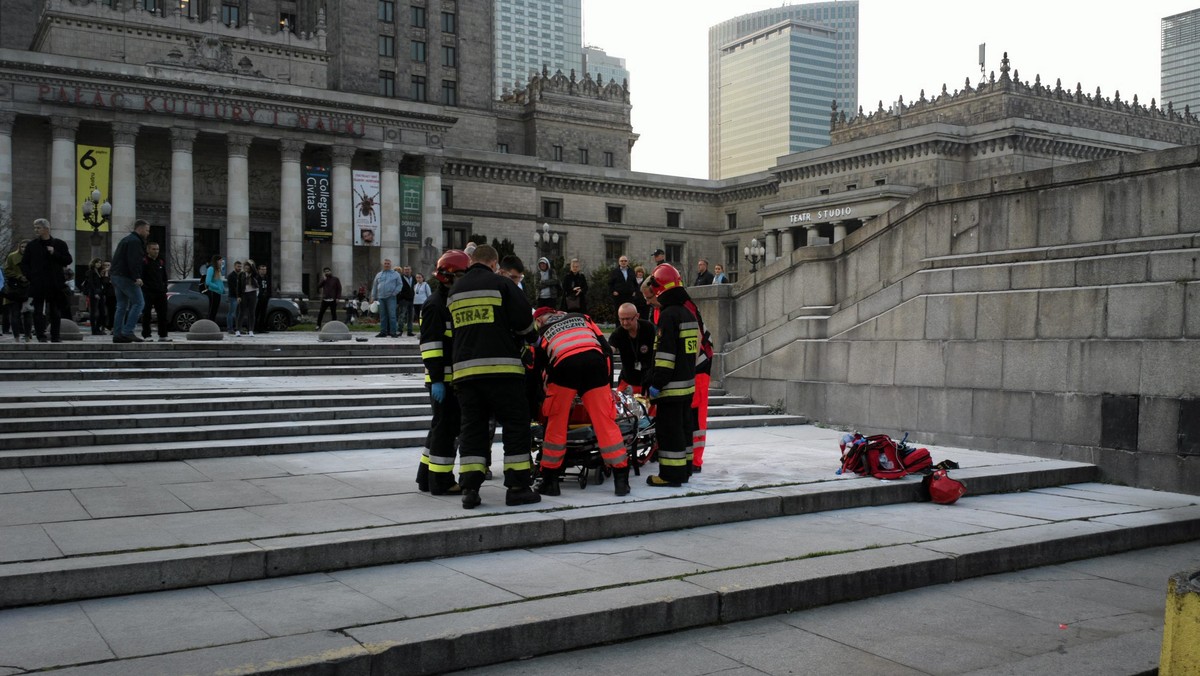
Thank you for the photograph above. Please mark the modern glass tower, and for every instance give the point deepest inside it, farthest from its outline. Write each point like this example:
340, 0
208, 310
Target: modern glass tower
598, 62
1181, 61
811, 78
531, 34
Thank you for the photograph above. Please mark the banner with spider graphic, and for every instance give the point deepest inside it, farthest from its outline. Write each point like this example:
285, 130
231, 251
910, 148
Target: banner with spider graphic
366, 207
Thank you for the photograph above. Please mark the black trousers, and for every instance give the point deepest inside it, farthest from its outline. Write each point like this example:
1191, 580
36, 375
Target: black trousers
158, 303
437, 468
260, 313
52, 302
502, 397
330, 305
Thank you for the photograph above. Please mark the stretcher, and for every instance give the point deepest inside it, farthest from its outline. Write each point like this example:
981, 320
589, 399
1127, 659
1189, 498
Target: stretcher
583, 461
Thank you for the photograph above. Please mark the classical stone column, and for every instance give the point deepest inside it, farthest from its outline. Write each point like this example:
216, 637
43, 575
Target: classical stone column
787, 242
237, 205
6, 165
768, 239
124, 180
291, 218
389, 208
839, 231
431, 210
62, 176
183, 202
343, 216
813, 234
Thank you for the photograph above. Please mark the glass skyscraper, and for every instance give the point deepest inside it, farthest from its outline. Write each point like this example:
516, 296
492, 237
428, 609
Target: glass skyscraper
821, 67
1181, 61
597, 62
531, 34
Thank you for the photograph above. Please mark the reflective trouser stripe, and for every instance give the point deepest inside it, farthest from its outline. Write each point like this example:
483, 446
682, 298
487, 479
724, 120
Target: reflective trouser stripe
425, 456
700, 404
472, 463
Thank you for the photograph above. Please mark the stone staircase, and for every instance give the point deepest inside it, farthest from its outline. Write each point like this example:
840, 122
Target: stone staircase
272, 525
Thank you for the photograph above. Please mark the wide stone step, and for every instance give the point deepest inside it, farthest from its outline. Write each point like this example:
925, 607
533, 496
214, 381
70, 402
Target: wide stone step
61, 412
218, 390
26, 375
185, 417
220, 363
408, 433
718, 422
467, 610
350, 530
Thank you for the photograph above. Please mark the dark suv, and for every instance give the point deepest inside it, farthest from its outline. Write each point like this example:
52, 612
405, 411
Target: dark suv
187, 305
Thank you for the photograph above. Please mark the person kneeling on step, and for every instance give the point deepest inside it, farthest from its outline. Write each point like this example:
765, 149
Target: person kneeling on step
574, 358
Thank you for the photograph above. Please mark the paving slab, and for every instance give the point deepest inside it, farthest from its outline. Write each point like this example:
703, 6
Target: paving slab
102, 503
25, 543
64, 478
35, 637
223, 495
42, 507
13, 481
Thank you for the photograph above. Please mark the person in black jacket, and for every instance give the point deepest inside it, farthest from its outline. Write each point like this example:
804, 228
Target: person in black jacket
574, 289
127, 280
634, 342
703, 276
622, 286
492, 320
43, 264
404, 301
264, 300
94, 283
154, 289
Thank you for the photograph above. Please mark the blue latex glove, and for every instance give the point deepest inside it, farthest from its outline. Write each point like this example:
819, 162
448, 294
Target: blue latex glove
438, 392
653, 392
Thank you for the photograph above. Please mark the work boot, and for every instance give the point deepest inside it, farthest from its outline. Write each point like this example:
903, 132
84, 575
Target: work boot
656, 480
621, 481
516, 496
454, 489
470, 498
549, 485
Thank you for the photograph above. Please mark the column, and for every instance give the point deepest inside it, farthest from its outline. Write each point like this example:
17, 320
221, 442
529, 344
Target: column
124, 180
768, 239
839, 231
389, 208
62, 177
787, 243
291, 219
237, 204
431, 207
182, 246
343, 216
6, 167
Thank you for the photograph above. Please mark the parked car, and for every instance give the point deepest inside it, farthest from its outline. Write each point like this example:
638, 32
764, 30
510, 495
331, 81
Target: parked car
187, 305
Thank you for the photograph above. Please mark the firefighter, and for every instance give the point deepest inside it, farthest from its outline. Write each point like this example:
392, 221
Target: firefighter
491, 319
700, 398
672, 383
574, 358
436, 472
634, 341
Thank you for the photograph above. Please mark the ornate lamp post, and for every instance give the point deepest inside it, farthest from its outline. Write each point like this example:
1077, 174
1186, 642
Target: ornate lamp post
543, 239
95, 213
755, 254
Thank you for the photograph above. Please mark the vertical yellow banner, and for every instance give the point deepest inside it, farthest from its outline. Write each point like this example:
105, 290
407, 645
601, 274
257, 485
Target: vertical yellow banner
92, 167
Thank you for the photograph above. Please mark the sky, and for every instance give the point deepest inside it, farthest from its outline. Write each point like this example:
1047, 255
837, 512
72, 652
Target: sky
904, 46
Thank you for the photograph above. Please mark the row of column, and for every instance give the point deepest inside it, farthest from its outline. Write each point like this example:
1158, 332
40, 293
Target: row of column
787, 239
63, 199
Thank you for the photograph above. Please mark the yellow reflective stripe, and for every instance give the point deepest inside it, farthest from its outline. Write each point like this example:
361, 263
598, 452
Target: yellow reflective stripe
677, 392
471, 467
519, 466
432, 354
441, 469
689, 333
518, 370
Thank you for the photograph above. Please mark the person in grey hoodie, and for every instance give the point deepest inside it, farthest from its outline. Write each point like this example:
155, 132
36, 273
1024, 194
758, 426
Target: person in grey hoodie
547, 284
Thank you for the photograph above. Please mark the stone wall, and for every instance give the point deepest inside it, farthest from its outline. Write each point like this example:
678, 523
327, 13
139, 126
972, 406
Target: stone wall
1052, 313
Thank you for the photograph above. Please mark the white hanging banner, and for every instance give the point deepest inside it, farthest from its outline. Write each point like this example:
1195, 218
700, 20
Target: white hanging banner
366, 208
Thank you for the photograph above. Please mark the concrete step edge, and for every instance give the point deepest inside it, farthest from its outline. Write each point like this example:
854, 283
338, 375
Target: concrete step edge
179, 567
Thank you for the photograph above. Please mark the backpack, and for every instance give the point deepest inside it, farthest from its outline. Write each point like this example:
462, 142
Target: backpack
881, 457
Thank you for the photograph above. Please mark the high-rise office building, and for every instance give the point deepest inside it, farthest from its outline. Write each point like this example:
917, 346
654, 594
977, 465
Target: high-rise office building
597, 62
811, 86
536, 34
1181, 60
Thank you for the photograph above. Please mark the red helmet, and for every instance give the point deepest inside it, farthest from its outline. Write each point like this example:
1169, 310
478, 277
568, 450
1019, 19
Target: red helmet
664, 278
451, 263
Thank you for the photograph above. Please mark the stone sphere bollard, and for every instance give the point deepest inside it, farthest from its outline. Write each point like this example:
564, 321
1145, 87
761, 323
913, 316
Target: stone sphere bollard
69, 331
333, 332
205, 329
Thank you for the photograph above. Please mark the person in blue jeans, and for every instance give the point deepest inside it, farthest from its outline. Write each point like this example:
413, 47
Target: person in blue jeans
231, 288
384, 289
127, 282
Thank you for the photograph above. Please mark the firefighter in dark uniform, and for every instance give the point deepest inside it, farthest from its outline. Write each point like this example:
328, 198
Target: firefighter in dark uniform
634, 341
700, 398
491, 319
574, 358
436, 473
672, 384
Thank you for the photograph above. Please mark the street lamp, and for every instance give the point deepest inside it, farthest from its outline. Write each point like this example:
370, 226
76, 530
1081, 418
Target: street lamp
543, 239
754, 254
95, 213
